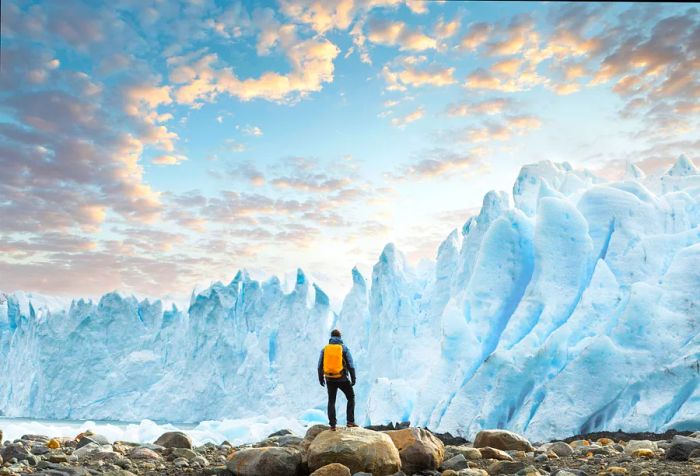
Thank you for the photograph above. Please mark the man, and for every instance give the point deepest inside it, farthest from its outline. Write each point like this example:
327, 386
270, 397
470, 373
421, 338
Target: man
334, 365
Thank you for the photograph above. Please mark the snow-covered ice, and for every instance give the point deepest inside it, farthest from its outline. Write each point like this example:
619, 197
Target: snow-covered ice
572, 306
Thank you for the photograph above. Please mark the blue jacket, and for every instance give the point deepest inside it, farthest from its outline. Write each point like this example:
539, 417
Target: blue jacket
348, 364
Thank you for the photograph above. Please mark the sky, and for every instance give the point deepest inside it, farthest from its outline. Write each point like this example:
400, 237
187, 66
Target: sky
153, 147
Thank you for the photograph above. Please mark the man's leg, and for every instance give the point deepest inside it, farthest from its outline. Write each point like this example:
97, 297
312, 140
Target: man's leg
347, 389
332, 392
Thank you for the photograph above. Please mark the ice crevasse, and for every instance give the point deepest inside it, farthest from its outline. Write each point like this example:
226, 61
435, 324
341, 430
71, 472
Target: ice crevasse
572, 306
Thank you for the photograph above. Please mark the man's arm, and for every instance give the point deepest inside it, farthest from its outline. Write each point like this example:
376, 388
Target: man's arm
351, 365
320, 370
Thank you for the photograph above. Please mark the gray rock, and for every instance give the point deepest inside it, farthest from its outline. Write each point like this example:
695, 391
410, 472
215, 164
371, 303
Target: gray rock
289, 440
455, 463
184, 453
362, 473
174, 439
280, 433
505, 467
181, 462
569, 472
97, 439
681, 447
39, 450
502, 440
200, 461
694, 454
217, 471
14, 450
271, 461
58, 458
39, 438
561, 449
144, 453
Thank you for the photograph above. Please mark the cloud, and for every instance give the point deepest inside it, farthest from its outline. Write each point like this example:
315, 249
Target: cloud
413, 76
169, 159
488, 107
397, 33
498, 81
439, 162
501, 130
417, 6
476, 35
413, 116
319, 14
254, 131
311, 64
513, 38
446, 29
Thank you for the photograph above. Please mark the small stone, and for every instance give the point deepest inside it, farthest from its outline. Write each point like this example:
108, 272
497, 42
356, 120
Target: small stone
174, 439
579, 443
333, 469
467, 451
502, 439
53, 444
643, 453
14, 450
634, 445
494, 453
694, 454
184, 453
58, 458
561, 448
455, 463
93, 438
552, 455
616, 470
543, 458
200, 461
605, 441
529, 471
505, 467
280, 433
217, 471
144, 453
39, 450
181, 462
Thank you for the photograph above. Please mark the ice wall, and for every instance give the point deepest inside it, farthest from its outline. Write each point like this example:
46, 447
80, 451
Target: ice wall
575, 309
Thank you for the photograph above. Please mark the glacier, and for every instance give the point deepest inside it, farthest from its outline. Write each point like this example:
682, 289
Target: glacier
571, 306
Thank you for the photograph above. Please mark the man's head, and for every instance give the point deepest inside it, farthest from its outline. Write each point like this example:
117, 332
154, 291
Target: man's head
335, 333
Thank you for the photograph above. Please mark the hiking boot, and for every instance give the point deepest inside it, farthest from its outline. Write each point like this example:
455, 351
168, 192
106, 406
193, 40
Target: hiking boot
332, 428
352, 425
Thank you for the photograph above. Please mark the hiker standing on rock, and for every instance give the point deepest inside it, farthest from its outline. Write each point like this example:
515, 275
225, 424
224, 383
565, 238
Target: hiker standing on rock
334, 365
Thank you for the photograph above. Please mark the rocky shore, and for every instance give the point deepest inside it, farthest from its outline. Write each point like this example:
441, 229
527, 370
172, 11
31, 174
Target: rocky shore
357, 452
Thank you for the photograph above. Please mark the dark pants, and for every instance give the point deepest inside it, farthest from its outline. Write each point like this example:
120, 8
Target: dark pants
346, 388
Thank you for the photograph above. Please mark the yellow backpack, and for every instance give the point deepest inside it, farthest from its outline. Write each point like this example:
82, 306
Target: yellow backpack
333, 360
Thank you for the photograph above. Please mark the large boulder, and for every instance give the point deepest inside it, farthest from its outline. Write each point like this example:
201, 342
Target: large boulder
419, 449
174, 439
502, 440
310, 435
358, 449
681, 447
270, 461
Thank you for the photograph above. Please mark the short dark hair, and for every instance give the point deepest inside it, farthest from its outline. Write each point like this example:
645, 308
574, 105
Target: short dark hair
335, 333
